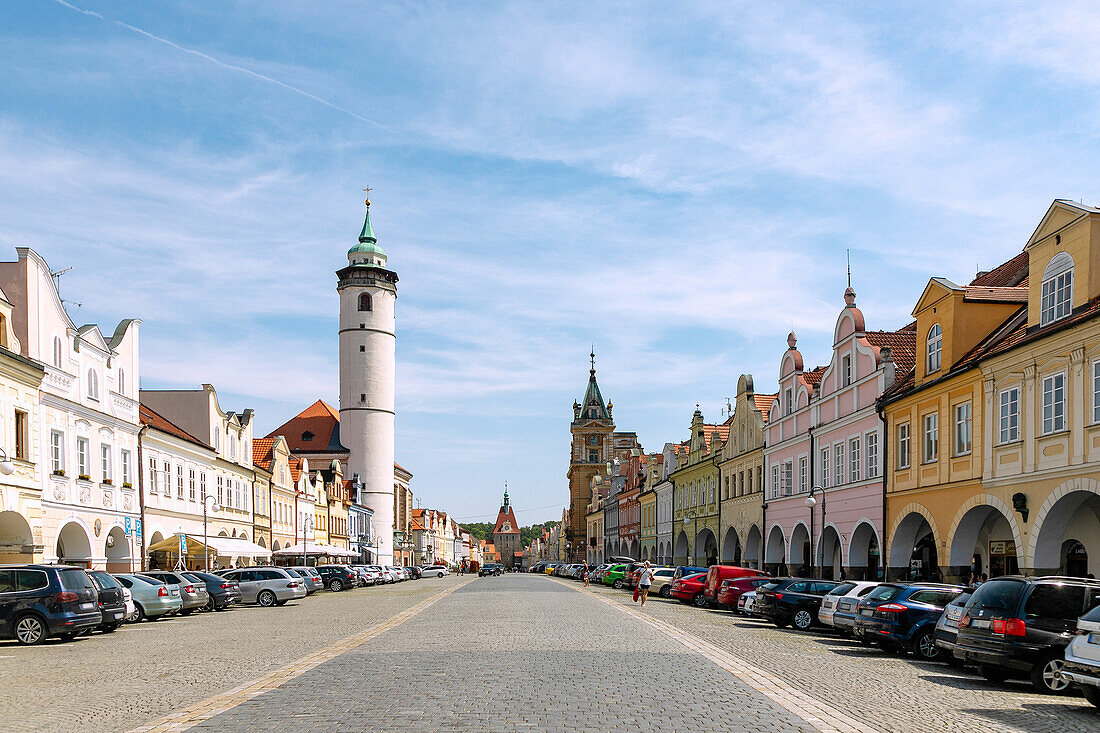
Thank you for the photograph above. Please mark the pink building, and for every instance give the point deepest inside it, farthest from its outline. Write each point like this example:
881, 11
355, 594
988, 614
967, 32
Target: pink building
824, 456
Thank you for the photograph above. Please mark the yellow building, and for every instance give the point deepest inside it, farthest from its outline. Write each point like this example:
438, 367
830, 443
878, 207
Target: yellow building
935, 454
695, 487
647, 507
742, 477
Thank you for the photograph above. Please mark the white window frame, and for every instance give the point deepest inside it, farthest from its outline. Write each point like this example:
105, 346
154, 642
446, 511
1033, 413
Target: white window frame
870, 443
152, 474
838, 464
803, 474
930, 437
1054, 409
57, 450
1096, 391
788, 478
825, 467
963, 433
93, 384
788, 396
854, 459
191, 494
846, 370
179, 481
105, 462
124, 465
82, 467
775, 481
57, 351
1008, 415
905, 453
933, 349
1056, 291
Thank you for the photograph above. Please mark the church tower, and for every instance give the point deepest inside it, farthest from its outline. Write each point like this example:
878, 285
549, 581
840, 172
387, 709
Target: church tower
368, 356
506, 534
592, 430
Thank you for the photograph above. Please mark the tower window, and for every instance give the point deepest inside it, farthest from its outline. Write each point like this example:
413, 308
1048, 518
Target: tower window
362, 397
365, 302
362, 325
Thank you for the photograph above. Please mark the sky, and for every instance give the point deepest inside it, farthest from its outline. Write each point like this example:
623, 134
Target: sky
675, 184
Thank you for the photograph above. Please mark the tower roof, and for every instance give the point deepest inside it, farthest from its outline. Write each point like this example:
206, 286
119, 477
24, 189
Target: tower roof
368, 243
592, 396
506, 519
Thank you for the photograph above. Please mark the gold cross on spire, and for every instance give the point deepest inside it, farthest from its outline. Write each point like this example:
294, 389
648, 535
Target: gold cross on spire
367, 190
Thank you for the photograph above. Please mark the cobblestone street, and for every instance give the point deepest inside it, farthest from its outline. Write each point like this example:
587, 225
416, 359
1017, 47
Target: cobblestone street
514, 653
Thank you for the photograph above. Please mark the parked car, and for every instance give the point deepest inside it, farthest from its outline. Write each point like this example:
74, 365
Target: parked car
337, 577
662, 582
717, 573
415, 572
128, 599
947, 628
596, 574
267, 586
904, 615
689, 587
112, 600
731, 590
615, 576
193, 595
435, 571
746, 603
39, 601
366, 576
1083, 656
838, 607
310, 576
490, 568
793, 601
682, 570
1017, 626
223, 592
152, 598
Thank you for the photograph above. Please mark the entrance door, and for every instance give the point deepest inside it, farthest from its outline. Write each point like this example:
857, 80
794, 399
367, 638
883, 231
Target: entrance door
1002, 558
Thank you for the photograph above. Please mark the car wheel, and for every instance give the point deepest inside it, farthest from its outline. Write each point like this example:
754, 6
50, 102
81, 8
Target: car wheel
924, 646
210, 605
266, 598
1092, 694
803, 619
1047, 676
700, 600
335, 585
30, 630
993, 674
617, 585
137, 615
665, 592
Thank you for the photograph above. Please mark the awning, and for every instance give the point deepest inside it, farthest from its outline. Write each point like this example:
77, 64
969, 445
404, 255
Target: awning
312, 549
222, 546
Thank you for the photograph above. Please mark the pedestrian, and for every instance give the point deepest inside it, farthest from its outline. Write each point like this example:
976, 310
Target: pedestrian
584, 570
644, 581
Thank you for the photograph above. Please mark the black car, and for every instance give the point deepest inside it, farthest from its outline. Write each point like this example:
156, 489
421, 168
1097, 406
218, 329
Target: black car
38, 601
792, 601
223, 591
903, 616
1020, 626
414, 572
338, 577
112, 602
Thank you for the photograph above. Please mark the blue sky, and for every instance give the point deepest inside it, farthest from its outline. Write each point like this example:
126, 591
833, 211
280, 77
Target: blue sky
674, 182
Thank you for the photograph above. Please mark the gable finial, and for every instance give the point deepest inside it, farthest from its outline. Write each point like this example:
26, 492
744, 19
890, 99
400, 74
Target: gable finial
592, 360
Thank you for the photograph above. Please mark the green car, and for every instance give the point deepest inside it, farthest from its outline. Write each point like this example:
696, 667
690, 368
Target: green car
615, 576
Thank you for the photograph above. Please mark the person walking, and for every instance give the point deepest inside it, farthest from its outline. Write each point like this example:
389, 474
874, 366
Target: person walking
644, 581
584, 570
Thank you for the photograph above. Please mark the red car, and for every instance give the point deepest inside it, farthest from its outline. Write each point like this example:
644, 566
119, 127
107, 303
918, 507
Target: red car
689, 589
732, 589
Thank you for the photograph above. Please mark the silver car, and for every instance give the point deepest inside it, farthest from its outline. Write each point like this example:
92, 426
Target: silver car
311, 577
152, 598
194, 595
267, 586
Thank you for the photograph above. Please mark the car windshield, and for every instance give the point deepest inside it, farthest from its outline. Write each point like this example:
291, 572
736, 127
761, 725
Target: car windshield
842, 589
961, 599
695, 576
74, 580
770, 585
147, 581
884, 593
105, 580
997, 595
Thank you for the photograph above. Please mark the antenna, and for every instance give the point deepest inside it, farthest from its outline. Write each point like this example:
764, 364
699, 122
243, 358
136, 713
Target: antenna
56, 275
848, 253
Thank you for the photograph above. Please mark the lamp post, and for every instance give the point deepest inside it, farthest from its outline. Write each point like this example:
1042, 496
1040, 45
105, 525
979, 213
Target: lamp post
208, 501
811, 502
6, 466
307, 524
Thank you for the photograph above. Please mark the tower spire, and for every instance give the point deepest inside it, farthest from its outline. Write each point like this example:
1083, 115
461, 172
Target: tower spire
592, 359
367, 235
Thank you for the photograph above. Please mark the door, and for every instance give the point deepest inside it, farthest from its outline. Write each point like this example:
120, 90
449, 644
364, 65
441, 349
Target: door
250, 584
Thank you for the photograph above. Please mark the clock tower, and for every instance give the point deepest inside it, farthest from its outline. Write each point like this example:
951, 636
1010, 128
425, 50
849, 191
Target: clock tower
592, 430
506, 534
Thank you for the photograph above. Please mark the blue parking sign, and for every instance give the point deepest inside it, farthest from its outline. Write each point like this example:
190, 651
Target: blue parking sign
127, 527
137, 527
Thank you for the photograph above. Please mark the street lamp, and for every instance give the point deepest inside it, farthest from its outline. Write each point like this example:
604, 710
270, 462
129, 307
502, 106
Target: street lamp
811, 502
307, 524
6, 466
208, 501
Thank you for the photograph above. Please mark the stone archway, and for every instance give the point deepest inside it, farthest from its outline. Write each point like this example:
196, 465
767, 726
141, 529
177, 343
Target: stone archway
116, 547
775, 553
985, 539
1070, 512
275, 546
864, 552
753, 548
731, 548
681, 555
830, 553
798, 552
706, 548
74, 546
16, 539
635, 550
913, 546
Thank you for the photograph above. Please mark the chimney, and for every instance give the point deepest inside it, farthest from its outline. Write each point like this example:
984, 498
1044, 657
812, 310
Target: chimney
889, 368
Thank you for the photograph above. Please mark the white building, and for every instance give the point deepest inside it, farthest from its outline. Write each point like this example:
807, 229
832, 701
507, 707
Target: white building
368, 354
87, 421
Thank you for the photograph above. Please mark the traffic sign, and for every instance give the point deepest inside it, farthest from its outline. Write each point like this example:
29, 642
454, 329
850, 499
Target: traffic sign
127, 526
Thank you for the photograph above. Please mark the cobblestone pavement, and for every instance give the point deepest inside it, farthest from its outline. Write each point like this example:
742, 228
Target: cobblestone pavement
143, 671
888, 691
514, 653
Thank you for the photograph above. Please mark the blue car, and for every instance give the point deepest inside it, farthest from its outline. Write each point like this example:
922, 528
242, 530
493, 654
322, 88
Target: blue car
903, 616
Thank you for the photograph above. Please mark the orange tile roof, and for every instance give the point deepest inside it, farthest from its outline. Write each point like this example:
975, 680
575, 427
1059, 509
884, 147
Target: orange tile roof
415, 523
902, 343
262, 454
319, 419
995, 295
1008, 274
763, 403
812, 377
155, 420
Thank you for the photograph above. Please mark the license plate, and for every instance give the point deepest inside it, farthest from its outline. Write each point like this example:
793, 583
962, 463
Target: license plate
979, 623
175, 592
87, 606
868, 612
1094, 638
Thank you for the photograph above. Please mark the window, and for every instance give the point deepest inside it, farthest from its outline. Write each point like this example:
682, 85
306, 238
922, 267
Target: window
191, 484
57, 351
232, 447
803, 474
179, 480
105, 462
57, 451
775, 481
871, 441
934, 349
1057, 290
365, 302
221, 492
124, 460
838, 463
789, 401
21, 436
845, 370
1054, 403
121, 380
788, 478
962, 429
166, 478
82, 457
903, 445
1009, 415
1096, 391
152, 475
931, 437
93, 385
202, 486
217, 439
855, 466
824, 468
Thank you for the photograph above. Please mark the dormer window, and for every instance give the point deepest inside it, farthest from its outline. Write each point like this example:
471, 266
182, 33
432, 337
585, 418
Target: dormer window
365, 302
93, 385
1057, 290
845, 370
57, 351
307, 435
789, 394
934, 349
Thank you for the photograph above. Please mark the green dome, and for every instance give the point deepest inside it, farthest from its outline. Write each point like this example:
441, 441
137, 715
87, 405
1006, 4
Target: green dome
368, 244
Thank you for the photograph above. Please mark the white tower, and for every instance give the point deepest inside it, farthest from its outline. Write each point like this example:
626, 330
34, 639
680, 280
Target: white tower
368, 356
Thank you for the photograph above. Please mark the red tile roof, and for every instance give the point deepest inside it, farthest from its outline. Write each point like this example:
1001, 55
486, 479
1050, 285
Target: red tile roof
321, 421
902, 343
995, 295
1009, 274
812, 377
262, 454
506, 515
764, 402
155, 420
